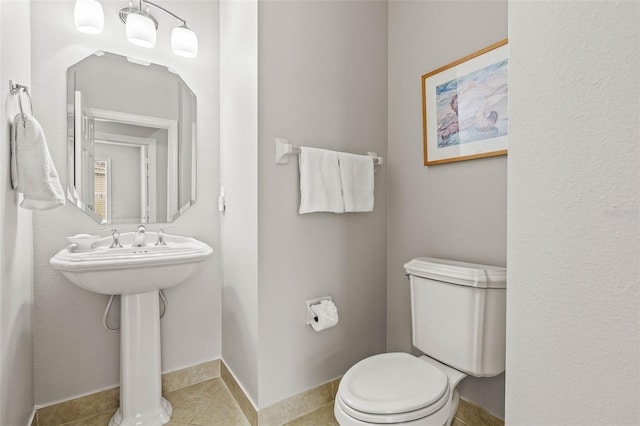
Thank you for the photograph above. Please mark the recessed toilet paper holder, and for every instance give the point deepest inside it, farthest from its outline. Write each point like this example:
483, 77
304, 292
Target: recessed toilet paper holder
311, 316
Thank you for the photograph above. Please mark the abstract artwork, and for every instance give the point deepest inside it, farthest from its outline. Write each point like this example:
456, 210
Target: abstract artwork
465, 107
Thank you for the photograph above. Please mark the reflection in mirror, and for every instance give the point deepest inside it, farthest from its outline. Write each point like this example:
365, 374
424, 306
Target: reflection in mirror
132, 140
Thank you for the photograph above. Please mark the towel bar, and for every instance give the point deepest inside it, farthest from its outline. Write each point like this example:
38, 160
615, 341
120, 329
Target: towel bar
284, 149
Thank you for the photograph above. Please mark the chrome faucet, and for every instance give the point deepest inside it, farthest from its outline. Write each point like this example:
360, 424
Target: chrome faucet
116, 237
161, 234
138, 237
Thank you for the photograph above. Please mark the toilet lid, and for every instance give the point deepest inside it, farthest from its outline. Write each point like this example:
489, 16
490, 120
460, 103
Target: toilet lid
393, 383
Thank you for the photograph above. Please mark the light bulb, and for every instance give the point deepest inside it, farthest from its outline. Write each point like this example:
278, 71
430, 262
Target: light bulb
141, 30
88, 16
184, 42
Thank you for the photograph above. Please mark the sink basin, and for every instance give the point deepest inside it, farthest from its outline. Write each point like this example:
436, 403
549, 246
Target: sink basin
131, 270
137, 274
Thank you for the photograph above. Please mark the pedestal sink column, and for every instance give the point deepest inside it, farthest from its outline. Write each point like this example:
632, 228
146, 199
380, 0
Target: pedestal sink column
141, 401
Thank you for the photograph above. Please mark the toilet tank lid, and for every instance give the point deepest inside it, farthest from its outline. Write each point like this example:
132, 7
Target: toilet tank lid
462, 273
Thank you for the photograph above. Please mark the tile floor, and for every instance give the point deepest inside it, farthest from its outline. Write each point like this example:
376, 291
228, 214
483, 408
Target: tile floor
210, 404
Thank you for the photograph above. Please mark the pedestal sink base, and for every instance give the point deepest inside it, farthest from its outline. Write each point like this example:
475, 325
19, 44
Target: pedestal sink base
141, 402
159, 419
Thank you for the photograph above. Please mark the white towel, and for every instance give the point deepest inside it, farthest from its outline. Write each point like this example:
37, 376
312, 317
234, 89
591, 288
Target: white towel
320, 187
356, 172
32, 170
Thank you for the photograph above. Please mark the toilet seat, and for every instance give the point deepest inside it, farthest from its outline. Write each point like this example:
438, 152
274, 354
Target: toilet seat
392, 388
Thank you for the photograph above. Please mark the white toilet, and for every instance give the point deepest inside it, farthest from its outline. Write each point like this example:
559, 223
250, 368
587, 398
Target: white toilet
458, 315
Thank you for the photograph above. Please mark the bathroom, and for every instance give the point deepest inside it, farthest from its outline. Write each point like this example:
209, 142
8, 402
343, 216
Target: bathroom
345, 75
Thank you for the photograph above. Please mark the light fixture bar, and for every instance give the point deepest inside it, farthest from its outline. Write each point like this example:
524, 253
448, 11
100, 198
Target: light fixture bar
124, 13
165, 11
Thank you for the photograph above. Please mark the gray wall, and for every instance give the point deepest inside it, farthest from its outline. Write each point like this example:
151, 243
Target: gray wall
322, 83
16, 232
573, 305
74, 355
239, 172
456, 210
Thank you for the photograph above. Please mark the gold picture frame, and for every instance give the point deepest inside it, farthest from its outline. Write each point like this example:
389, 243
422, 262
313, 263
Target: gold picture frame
464, 107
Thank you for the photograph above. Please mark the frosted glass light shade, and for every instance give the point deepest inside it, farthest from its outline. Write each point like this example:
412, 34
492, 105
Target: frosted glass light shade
141, 30
88, 16
184, 42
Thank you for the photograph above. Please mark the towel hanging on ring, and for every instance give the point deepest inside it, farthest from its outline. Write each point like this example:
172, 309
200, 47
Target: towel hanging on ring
32, 170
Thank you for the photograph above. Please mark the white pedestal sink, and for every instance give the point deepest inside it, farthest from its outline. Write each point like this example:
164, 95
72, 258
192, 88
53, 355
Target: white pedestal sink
137, 274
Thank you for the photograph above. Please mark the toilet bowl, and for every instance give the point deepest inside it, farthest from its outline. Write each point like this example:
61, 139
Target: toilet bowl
458, 318
397, 389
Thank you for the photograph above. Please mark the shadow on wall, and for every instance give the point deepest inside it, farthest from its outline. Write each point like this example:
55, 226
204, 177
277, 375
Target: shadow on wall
10, 232
15, 387
243, 347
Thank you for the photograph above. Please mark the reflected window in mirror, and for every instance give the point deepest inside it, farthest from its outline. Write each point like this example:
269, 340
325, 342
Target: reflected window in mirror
101, 189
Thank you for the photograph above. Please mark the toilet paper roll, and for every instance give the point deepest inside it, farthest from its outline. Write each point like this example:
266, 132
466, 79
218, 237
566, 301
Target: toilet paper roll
326, 315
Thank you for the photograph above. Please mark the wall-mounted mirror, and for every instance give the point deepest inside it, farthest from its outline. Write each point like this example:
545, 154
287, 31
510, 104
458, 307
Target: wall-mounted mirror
132, 140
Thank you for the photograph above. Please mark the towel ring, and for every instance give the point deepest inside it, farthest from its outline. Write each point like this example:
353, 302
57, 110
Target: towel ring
17, 89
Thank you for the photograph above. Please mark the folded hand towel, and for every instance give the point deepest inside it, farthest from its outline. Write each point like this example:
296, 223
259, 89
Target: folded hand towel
320, 188
356, 172
32, 170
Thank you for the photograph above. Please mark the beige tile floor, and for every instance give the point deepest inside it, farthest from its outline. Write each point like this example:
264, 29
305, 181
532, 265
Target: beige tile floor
323, 416
210, 404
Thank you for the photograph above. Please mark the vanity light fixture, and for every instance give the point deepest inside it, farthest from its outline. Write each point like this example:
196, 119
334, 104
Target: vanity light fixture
88, 16
184, 42
140, 24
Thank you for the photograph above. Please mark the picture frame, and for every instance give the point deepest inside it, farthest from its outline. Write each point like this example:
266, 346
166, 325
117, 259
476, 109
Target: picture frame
464, 107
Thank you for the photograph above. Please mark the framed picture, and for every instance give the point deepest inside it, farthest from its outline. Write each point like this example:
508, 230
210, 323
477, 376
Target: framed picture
464, 107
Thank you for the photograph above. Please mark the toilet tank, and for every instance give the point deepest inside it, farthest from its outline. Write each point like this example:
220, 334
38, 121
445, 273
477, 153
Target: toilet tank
458, 312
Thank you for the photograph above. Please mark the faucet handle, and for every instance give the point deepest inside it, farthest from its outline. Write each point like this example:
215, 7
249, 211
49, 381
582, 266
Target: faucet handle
161, 234
116, 237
